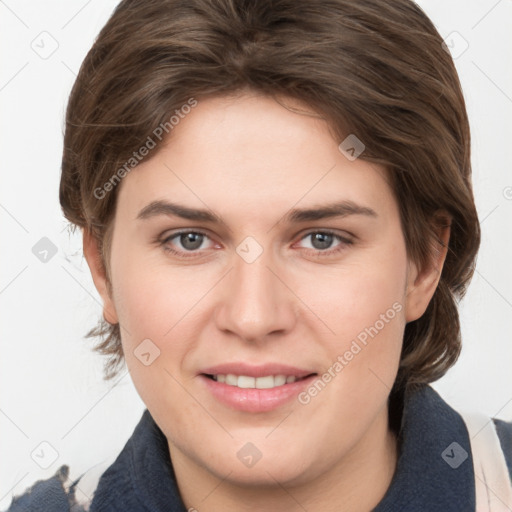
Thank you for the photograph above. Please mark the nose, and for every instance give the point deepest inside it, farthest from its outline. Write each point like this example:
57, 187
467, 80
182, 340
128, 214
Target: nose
255, 302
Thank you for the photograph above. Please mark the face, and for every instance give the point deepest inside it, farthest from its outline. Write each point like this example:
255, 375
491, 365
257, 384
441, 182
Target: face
250, 245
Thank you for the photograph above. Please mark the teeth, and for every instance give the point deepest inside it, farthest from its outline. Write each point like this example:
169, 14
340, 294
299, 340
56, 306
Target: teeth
279, 380
231, 379
244, 381
265, 382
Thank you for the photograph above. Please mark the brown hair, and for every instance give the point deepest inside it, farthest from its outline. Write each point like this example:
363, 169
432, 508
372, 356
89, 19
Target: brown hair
375, 69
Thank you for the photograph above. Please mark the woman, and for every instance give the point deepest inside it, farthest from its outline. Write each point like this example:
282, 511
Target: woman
277, 212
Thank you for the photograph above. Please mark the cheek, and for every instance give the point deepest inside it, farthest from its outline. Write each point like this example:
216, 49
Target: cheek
364, 305
355, 297
153, 303
152, 297
163, 304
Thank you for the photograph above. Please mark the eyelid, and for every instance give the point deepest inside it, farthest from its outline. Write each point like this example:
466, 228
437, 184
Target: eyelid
300, 236
167, 237
345, 235
344, 241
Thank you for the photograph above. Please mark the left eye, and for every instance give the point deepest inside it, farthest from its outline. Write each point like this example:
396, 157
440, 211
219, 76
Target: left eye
322, 240
189, 240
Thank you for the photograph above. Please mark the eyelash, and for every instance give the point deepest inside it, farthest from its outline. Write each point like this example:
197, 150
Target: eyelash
190, 254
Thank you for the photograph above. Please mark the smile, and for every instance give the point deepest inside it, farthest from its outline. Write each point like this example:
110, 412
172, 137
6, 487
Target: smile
246, 381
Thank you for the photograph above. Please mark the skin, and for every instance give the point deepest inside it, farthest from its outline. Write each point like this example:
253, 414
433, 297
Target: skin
250, 160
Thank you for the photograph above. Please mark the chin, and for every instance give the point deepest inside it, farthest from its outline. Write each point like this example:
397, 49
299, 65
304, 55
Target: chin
272, 468
266, 475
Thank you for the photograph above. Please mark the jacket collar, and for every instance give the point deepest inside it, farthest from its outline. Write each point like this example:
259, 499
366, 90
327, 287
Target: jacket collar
432, 472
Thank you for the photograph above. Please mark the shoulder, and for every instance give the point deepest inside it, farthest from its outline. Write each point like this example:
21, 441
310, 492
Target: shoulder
61, 492
55, 494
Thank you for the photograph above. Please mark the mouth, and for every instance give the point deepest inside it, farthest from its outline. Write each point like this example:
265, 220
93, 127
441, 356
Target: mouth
255, 389
250, 382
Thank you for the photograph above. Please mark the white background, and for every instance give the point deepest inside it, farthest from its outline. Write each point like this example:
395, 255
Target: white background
51, 383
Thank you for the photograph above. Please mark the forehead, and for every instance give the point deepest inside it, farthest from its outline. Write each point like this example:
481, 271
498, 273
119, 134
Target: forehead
250, 153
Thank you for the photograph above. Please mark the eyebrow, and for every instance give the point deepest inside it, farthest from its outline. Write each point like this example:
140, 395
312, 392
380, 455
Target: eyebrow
296, 215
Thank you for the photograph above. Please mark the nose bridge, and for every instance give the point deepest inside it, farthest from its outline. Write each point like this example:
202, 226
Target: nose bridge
255, 303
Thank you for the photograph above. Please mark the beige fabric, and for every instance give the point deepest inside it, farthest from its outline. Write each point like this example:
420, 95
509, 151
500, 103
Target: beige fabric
492, 480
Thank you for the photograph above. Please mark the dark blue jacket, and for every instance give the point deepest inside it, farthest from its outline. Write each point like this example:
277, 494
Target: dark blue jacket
142, 478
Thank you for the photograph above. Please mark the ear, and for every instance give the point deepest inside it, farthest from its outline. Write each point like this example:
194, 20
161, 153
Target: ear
422, 283
94, 260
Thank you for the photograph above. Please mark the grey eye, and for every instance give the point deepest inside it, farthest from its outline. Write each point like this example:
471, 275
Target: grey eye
191, 241
321, 240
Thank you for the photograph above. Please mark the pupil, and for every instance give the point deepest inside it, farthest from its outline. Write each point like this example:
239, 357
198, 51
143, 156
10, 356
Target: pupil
191, 240
322, 240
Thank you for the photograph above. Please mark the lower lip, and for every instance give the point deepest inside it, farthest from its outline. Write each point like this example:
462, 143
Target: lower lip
252, 399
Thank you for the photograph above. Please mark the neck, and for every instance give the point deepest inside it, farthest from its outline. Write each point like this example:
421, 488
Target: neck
356, 484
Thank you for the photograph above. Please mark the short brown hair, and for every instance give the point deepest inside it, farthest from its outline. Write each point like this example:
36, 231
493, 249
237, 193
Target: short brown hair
372, 68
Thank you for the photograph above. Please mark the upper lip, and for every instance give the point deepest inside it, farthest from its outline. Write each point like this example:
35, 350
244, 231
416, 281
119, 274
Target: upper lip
240, 368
